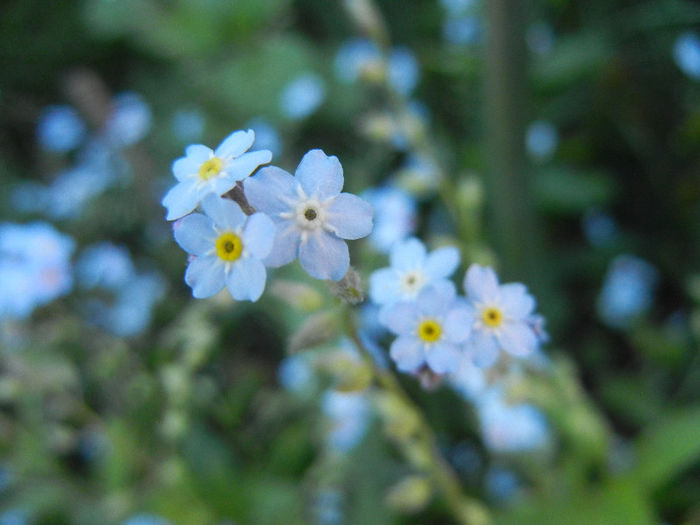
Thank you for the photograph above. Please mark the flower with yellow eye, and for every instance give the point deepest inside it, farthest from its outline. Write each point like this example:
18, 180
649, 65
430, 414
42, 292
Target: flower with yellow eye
228, 247
429, 329
202, 171
502, 317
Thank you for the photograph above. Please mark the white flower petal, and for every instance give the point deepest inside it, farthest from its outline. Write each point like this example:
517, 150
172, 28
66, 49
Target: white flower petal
241, 167
185, 167
350, 216
483, 348
205, 275
443, 357
516, 302
246, 281
481, 283
181, 200
324, 256
435, 299
517, 339
194, 233
235, 144
442, 263
259, 235
408, 254
458, 324
384, 286
407, 352
271, 190
198, 153
320, 175
226, 214
400, 318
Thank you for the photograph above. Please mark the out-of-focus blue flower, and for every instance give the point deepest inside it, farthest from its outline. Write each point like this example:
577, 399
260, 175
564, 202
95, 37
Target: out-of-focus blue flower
429, 329
14, 517
540, 38
419, 175
456, 7
29, 197
202, 171
348, 414
311, 215
132, 310
371, 330
5, 477
462, 30
501, 484
188, 125
129, 122
469, 380
403, 70
686, 53
60, 129
266, 136
146, 519
412, 269
295, 373
511, 428
627, 290
502, 314
302, 96
394, 216
327, 508
541, 140
228, 247
105, 265
356, 58
34, 267
599, 228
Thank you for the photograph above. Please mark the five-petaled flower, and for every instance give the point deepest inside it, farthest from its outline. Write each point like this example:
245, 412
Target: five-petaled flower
429, 329
228, 247
311, 214
502, 317
202, 171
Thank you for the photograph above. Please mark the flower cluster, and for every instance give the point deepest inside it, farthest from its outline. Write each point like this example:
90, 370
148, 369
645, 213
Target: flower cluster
435, 328
303, 216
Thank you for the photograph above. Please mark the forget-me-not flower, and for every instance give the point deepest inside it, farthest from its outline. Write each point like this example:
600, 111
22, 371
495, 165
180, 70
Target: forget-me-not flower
228, 247
60, 129
412, 268
395, 215
202, 171
627, 292
302, 96
429, 329
311, 214
502, 315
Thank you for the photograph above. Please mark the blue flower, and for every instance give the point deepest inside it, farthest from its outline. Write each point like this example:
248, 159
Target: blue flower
357, 57
403, 70
311, 215
412, 268
188, 124
202, 171
348, 413
228, 247
429, 329
266, 136
502, 317
627, 290
686, 53
462, 30
60, 129
302, 96
541, 140
146, 519
105, 265
129, 122
395, 216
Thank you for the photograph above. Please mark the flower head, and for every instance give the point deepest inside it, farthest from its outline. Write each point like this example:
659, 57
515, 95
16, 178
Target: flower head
429, 329
502, 317
311, 215
412, 268
202, 171
228, 247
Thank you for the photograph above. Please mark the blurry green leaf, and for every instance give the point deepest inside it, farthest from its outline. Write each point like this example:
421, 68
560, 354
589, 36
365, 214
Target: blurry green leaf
574, 57
564, 190
668, 447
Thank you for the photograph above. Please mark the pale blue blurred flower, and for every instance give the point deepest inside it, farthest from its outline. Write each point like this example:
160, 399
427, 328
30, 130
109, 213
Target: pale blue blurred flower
132, 310
6, 477
355, 58
29, 197
462, 30
60, 129
188, 125
129, 122
468, 379
540, 38
394, 215
627, 290
686, 53
371, 330
311, 214
34, 267
228, 247
296, 374
266, 136
146, 519
456, 7
104, 265
348, 415
202, 171
327, 508
511, 428
599, 228
14, 517
502, 317
403, 70
412, 268
430, 330
302, 96
541, 140
501, 484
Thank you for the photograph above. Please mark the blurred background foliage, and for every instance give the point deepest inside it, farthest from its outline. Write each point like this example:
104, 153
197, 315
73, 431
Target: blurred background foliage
139, 403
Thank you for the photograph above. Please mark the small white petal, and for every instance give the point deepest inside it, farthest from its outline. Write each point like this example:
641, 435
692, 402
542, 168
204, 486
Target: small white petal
458, 324
194, 233
235, 144
442, 263
198, 153
443, 357
517, 339
435, 299
247, 279
516, 302
271, 190
384, 286
481, 283
205, 275
185, 167
226, 214
181, 200
483, 348
320, 175
324, 256
241, 167
400, 318
259, 235
407, 352
408, 254
350, 216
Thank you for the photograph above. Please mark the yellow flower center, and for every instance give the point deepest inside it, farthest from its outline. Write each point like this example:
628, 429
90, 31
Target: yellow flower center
492, 317
429, 330
210, 168
229, 246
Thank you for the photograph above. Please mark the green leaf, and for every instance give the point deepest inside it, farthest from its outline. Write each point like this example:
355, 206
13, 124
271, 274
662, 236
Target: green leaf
566, 190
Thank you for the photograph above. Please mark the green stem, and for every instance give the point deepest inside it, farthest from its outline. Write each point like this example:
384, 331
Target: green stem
466, 510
